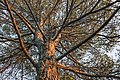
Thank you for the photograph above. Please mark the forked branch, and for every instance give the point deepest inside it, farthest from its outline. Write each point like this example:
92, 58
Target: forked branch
19, 34
91, 36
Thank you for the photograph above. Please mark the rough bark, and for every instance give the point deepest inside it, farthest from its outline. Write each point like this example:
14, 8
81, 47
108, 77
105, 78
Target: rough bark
47, 64
48, 70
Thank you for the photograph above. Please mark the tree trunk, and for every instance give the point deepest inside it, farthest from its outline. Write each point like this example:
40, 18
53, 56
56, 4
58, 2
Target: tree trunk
48, 71
47, 64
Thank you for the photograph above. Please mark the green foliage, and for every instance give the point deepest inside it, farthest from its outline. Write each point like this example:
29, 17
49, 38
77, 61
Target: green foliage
6, 29
67, 76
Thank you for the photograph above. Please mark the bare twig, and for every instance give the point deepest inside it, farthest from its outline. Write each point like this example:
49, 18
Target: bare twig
91, 36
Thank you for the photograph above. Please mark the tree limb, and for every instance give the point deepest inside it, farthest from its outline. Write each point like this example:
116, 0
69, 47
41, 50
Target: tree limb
84, 73
81, 17
19, 34
41, 31
91, 36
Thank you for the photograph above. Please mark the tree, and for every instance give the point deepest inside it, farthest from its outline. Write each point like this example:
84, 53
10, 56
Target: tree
58, 39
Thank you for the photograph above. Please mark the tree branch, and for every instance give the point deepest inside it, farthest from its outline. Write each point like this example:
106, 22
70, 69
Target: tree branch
67, 15
24, 20
51, 11
95, 5
91, 36
81, 17
19, 34
41, 31
84, 73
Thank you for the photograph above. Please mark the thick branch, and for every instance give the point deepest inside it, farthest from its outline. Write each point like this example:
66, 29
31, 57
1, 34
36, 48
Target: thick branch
19, 34
41, 31
67, 15
111, 37
86, 74
24, 20
95, 5
91, 36
81, 17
